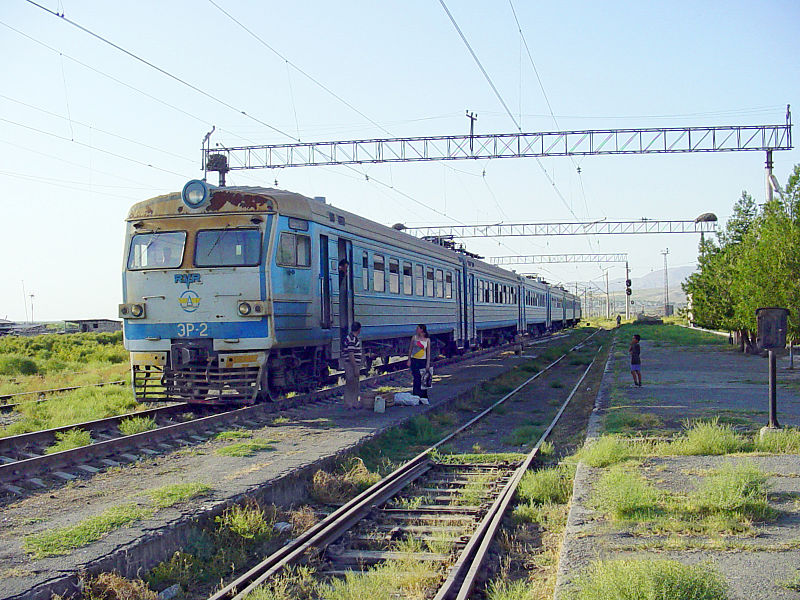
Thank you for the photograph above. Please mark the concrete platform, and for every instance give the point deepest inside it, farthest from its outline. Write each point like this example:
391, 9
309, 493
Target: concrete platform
682, 382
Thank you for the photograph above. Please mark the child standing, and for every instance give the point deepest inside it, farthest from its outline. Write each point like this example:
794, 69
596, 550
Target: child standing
636, 361
419, 358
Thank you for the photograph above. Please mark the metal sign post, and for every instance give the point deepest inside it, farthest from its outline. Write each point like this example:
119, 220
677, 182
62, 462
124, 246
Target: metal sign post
772, 335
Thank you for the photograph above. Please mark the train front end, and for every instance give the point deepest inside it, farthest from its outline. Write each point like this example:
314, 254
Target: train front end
196, 307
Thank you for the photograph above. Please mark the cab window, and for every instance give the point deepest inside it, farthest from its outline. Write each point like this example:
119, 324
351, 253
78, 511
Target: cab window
294, 250
227, 248
157, 250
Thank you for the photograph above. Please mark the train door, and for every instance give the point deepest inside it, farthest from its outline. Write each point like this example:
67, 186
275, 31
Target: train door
520, 309
470, 304
345, 276
548, 300
459, 294
324, 284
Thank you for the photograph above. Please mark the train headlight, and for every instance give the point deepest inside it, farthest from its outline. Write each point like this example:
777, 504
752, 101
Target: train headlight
253, 308
134, 310
195, 193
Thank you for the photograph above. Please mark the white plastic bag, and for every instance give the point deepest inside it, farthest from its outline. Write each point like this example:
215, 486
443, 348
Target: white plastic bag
380, 404
406, 399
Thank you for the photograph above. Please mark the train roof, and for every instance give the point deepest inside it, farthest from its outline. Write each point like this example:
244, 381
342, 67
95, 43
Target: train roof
248, 199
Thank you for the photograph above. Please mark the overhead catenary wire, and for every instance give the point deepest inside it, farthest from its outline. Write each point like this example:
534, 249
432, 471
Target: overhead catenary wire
164, 72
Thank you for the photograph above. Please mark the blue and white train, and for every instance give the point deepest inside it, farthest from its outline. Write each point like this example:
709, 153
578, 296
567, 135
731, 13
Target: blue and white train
241, 294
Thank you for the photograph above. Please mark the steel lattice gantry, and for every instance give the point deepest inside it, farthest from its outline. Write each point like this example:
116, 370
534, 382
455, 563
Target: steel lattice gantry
544, 259
572, 228
657, 140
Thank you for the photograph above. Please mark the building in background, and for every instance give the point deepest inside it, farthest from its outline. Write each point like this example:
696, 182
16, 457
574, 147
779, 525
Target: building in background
92, 325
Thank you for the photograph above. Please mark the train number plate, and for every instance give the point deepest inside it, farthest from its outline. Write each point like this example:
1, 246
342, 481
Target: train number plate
192, 329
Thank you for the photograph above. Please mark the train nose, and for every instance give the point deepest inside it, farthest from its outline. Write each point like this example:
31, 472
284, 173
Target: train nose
190, 352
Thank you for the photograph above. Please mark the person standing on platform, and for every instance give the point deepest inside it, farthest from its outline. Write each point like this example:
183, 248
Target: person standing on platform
636, 361
619, 320
353, 355
419, 358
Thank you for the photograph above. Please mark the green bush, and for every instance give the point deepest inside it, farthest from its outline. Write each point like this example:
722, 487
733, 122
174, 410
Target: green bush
15, 365
625, 494
547, 485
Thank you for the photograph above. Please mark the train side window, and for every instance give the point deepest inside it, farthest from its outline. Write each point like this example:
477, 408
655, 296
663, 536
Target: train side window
448, 285
365, 271
497, 293
378, 275
487, 292
419, 280
429, 282
439, 283
294, 250
407, 279
394, 276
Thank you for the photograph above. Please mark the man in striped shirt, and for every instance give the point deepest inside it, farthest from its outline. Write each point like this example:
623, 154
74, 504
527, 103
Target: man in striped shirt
352, 355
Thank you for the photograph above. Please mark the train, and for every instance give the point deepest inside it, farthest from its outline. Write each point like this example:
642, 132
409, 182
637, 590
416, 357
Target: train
239, 295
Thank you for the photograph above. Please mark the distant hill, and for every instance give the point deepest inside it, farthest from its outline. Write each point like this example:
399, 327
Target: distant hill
655, 279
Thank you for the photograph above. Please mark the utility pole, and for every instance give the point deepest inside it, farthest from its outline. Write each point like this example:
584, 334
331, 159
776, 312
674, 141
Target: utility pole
666, 283
608, 299
31, 295
472, 118
24, 300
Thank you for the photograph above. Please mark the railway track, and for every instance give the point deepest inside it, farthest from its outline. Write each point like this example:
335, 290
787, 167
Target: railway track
457, 506
26, 466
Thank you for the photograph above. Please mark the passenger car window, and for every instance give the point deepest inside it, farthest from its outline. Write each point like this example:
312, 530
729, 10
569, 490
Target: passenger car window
364, 271
227, 248
439, 283
429, 282
448, 285
419, 280
157, 250
407, 279
394, 276
294, 250
378, 275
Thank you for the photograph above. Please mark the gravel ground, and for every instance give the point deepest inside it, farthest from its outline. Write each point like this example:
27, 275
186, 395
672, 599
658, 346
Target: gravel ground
681, 383
311, 434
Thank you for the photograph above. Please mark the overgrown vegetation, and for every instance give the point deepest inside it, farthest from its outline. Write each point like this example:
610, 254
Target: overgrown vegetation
52, 361
134, 425
649, 580
169, 495
67, 440
754, 263
248, 448
62, 540
240, 533
338, 487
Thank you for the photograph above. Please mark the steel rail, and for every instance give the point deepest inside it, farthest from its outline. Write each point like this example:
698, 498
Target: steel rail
37, 438
468, 570
333, 526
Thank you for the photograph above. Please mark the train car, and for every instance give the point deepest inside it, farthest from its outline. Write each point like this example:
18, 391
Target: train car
241, 294
534, 306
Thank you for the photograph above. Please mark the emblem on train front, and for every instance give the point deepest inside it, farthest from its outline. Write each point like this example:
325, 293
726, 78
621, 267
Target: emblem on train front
189, 300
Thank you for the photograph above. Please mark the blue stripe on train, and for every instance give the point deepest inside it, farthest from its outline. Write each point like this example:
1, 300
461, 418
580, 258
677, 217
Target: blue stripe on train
245, 329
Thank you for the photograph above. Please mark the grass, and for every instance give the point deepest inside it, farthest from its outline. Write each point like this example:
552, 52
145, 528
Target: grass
62, 540
53, 361
134, 425
607, 450
783, 441
630, 422
67, 440
235, 434
338, 487
168, 495
78, 406
626, 495
727, 501
209, 556
522, 436
248, 448
110, 586
473, 493
550, 485
792, 584
670, 334
479, 458
649, 580
708, 438
280, 420
556, 384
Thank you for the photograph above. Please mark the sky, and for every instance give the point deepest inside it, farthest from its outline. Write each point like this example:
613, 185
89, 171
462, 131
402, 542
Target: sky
87, 130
